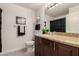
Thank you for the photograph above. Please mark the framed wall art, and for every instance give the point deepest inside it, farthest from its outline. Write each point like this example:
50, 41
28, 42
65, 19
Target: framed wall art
20, 20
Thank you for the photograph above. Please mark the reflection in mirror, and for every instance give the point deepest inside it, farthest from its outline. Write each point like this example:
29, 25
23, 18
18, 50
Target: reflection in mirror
57, 11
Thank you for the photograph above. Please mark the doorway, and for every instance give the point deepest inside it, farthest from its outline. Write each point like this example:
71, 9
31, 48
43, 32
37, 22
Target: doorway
0, 30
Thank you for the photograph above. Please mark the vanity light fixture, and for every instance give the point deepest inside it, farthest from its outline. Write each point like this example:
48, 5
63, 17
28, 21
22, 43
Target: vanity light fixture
51, 5
38, 18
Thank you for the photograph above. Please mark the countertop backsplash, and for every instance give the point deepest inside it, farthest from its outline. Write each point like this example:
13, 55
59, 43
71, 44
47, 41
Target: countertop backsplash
65, 34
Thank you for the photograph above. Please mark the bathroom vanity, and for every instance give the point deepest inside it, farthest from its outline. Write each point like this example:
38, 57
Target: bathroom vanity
57, 45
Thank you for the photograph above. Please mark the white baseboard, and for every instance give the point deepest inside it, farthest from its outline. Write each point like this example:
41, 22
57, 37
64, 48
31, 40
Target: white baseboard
9, 51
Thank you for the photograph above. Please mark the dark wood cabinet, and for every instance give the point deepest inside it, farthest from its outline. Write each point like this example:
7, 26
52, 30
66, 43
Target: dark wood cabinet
65, 50
38, 46
45, 47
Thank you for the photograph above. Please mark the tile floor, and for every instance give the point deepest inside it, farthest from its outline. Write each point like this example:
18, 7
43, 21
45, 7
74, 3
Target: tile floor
22, 52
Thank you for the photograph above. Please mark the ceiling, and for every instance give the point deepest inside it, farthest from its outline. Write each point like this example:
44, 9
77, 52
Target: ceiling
60, 9
33, 6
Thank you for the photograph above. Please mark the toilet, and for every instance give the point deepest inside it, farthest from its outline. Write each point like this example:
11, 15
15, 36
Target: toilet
29, 45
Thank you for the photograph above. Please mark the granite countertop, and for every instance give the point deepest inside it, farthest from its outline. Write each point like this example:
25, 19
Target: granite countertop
65, 39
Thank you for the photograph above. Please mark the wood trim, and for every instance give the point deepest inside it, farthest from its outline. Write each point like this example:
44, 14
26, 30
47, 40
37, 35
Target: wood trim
0, 10
0, 29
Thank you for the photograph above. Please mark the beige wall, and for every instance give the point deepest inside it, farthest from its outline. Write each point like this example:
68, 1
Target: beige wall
72, 23
41, 13
72, 20
43, 17
74, 9
10, 40
48, 19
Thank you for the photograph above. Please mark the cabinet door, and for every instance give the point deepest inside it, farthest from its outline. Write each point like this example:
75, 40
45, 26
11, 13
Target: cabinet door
38, 46
47, 47
65, 50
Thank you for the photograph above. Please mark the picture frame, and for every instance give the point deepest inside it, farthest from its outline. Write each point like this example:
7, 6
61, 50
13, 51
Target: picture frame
21, 30
20, 20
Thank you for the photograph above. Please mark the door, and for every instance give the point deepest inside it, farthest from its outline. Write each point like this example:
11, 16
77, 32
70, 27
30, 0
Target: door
0, 30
